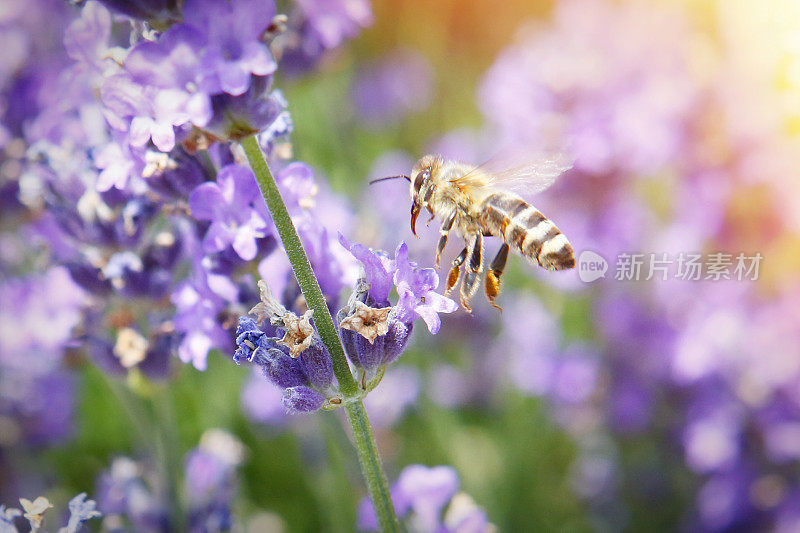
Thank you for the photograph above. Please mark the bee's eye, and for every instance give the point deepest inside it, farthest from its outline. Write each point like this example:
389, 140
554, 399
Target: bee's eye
421, 177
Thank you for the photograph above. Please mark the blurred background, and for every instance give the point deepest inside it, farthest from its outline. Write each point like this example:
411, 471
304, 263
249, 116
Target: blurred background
656, 404
660, 404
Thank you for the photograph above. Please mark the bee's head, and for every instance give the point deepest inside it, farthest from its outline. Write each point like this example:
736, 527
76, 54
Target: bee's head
420, 175
420, 183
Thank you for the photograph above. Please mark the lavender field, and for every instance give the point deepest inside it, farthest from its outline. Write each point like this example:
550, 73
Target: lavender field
211, 320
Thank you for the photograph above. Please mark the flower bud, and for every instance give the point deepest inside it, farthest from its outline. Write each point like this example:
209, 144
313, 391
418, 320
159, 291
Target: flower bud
236, 117
302, 399
318, 366
365, 354
396, 340
279, 368
372, 337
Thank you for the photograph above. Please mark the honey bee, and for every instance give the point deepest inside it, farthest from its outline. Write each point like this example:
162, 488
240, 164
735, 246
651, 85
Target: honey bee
477, 203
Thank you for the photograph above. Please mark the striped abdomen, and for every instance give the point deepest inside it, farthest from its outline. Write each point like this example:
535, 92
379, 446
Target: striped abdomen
526, 229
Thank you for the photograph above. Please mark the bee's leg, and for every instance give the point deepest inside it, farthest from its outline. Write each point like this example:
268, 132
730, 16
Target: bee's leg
446, 226
493, 276
455, 272
472, 272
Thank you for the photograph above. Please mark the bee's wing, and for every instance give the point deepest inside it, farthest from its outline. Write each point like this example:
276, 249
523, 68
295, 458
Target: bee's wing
533, 176
524, 175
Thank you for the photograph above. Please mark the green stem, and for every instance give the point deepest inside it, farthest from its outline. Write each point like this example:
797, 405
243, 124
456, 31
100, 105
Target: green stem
371, 466
300, 264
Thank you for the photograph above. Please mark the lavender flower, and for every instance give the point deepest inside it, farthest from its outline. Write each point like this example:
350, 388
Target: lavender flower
87, 38
36, 393
123, 492
145, 113
172, 176
420, 495
7, 517
314, 28
599, 86
233, 49
116, 159
210, 471
302, 399
297, 362
283, 370
375, 334
92, 166
378, 270
50, 297
34, 510
198, 302
120, 164
80, 510
417, 299
198, 73
106, 135
235, 209
257, 110
170, 66
133, 493
414, 285
332, 21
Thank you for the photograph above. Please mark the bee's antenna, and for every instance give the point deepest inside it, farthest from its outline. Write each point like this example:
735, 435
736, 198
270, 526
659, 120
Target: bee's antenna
390, 178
